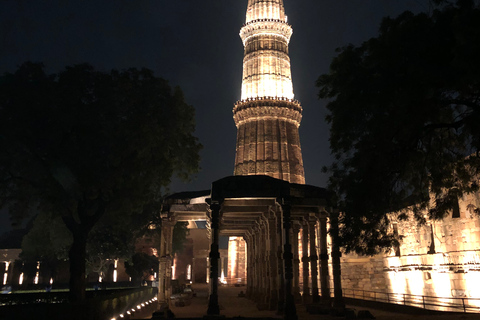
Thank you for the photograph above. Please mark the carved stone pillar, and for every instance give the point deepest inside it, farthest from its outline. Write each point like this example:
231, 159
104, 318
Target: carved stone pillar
305, 261
257, 268
290, 311
324, 276
273, 268
265, 264
165, 262
313, 259
213, 307
280, 264
296, 262
249, 244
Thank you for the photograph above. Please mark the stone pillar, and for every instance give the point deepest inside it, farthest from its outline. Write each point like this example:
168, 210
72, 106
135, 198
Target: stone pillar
296, 262
273, 261
290, 311
338, 302
193, 271
265, 265
324, 276
313, 259
256, 265
248, 240
305, 261
165, 262
280, 264
213, 307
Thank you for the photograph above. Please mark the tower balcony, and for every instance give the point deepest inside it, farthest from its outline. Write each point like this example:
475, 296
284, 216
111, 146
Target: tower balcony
266, 27
267, 108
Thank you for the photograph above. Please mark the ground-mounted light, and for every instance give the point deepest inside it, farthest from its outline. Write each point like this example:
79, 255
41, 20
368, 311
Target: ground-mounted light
139, 307
129, 313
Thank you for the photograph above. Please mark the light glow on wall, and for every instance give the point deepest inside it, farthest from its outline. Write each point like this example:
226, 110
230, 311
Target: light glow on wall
5, 275
189, 272
473, 287
174, 268
416, 284
37, 274
222, 278
232, 256
115, 270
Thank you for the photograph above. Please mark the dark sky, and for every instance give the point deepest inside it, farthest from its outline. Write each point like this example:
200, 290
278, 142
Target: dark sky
195, 44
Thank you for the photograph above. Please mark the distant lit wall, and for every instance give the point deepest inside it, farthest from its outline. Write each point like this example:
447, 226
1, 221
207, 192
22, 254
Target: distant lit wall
440, 258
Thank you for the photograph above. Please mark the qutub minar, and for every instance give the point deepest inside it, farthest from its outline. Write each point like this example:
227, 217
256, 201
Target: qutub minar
267, 116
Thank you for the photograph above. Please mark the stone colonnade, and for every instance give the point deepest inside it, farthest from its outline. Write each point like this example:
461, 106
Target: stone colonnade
263, 211
265, 260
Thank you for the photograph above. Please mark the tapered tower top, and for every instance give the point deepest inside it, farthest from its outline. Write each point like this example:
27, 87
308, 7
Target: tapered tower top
265, 9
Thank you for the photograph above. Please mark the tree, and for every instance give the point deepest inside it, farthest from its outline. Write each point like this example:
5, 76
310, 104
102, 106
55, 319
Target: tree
48, 241
179, 237
111, 238
141, 265
404, 109
84, 143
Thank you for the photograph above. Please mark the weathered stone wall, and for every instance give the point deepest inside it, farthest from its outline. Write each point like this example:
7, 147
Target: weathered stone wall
448, 267
363, 273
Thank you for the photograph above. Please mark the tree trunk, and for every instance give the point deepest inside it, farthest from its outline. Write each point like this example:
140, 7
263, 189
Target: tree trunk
89, 212
77, 256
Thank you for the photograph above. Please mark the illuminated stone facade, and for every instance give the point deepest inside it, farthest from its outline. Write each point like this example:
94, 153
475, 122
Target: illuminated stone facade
440, 258
267, 117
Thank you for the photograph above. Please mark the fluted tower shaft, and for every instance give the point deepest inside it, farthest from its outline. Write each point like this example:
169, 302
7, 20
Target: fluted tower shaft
267, 116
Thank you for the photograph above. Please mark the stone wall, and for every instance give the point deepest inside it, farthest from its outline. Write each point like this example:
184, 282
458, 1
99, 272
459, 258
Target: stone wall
363, 273
440, 258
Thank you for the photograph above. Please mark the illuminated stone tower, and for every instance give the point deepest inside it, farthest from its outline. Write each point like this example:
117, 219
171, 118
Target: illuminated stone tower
267, 116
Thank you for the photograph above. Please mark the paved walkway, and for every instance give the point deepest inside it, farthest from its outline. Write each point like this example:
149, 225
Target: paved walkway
233, 306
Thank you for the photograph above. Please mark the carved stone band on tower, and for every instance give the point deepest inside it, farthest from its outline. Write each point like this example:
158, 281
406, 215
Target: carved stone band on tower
268, 117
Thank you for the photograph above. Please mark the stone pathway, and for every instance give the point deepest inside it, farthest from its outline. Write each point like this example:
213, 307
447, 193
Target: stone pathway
233, 306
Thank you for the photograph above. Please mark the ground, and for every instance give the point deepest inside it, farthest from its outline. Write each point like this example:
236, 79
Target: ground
233, 306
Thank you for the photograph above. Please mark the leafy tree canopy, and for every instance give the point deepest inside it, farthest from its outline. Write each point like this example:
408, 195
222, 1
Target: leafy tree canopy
141, 266
179, 237
404, 109
82, 143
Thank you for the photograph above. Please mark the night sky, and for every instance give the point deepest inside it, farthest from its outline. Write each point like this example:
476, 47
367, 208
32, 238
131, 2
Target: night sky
195, 44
